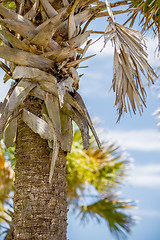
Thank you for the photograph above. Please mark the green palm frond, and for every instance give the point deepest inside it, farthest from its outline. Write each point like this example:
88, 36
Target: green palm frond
9, 4
6, 230
148, 12
111, 209
103, 172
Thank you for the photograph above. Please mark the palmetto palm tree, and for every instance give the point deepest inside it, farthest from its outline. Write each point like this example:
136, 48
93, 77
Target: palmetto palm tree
43, 43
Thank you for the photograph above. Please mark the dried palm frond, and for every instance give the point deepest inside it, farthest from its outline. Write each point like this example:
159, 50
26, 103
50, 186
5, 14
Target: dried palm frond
20, 92
61, 109
129, 58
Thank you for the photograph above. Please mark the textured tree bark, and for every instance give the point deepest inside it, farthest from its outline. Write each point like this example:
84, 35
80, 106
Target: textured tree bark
40, 208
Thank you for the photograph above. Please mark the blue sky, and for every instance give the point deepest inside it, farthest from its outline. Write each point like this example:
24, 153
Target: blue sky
138, 136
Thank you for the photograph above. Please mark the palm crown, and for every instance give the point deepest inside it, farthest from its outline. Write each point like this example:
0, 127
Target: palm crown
43, 44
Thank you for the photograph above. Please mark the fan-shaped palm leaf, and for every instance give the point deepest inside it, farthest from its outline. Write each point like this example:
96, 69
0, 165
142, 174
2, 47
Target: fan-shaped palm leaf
104, 170
111, 209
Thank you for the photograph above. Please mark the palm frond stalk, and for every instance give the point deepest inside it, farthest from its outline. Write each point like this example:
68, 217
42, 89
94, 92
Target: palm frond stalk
42, 43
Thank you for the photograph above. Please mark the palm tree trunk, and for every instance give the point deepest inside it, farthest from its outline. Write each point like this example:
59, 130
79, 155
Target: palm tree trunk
40, 208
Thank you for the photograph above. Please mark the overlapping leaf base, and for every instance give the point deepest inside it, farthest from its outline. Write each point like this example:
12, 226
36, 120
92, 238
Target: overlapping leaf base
47, 70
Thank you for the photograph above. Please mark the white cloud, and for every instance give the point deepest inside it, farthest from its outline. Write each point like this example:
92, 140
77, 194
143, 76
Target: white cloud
152, 45
96, 84
98, 45
149, 169
142, 140
146, 180
146, 176
149, 213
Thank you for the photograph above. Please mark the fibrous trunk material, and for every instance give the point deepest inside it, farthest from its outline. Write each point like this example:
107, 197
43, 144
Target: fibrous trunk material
40, 208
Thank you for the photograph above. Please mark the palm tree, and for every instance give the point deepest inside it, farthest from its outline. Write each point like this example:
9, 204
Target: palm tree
42, 44
104, 171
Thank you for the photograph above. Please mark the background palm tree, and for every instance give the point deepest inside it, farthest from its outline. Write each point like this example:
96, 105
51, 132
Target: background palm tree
42, 42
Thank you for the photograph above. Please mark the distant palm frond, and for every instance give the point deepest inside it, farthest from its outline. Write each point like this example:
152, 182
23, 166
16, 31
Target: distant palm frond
148, 12
111, 209
104, 170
